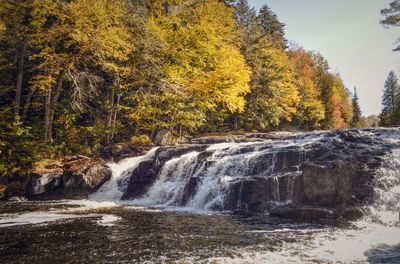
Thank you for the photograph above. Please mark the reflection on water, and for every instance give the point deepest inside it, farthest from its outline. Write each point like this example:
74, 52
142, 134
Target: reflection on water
87, 232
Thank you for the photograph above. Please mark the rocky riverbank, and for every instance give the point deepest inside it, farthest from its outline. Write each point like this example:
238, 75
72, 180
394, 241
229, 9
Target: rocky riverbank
72, 177
302, 176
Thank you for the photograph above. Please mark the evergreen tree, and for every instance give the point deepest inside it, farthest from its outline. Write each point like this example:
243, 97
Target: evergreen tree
390, 101
272, 27
392, 17
355, 121
273, 97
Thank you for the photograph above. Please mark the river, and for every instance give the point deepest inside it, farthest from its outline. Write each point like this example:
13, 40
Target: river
105, 229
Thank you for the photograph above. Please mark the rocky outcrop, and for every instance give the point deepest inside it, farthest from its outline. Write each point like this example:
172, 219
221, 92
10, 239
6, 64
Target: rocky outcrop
122, 150
74, 177
302, 175
147, 171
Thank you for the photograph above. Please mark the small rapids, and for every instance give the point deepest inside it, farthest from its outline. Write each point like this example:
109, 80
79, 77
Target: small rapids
171, 225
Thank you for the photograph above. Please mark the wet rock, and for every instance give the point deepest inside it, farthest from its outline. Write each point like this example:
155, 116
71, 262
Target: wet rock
321, 174
249, 194
77, 178
302, 213
45, 182
121, 150
147, 171
163, 137
190, 190
96, 176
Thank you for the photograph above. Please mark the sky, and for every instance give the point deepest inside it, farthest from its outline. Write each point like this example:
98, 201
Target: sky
348, 34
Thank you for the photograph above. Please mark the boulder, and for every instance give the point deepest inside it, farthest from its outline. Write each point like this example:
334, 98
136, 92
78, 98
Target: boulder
121, 150
78, 177
146, 173
45, 182
163, 137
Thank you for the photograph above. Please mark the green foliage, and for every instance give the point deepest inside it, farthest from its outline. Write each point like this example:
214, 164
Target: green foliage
97, 72
390, 115
17, 147
356, 119
392, 17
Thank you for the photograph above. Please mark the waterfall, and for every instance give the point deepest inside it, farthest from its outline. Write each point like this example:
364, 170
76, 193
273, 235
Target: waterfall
201, 181
204, 180
385, 207
114, 188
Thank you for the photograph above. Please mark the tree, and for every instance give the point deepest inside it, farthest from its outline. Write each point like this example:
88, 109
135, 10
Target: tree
390, 114
272, 27
334, 95
355, 121
80, 33
206, 70
273, 97
310, 111
392, 17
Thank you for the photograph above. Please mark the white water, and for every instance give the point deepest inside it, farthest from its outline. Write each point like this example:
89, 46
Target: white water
378, 234
114, 188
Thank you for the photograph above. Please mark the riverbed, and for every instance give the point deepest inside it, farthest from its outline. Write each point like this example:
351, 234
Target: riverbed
106, 232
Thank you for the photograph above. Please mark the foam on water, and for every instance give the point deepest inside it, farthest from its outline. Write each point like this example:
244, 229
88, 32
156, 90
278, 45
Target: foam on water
375, 236
113, 189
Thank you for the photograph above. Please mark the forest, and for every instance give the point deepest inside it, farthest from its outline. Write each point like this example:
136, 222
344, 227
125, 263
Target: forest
79, 74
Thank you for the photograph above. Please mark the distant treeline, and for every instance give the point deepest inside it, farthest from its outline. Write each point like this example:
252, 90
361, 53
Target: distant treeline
79, 73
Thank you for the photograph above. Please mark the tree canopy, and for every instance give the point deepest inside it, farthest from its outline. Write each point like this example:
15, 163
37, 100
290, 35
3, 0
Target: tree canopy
76, 74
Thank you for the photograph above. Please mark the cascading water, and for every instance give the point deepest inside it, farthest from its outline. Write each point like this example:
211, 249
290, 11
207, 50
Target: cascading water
203, 179
113, 189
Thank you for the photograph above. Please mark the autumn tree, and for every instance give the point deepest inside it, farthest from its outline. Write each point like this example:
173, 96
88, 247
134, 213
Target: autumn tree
334, 95
205, 71
80, 34
310, 110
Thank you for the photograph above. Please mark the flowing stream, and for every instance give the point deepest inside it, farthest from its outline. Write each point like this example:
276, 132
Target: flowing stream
167, 226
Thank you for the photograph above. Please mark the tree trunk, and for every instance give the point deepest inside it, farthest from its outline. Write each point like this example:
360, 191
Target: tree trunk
47, 112
54, 99
50, 105
20, 75
115, 116
27, 104
110, 115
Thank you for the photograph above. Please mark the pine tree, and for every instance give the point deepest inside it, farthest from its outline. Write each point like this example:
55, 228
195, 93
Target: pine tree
392, 17
355, 121
390, 101
272, 27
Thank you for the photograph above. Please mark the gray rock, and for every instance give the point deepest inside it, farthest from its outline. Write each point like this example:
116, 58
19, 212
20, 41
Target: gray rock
71, 182
163, 137
330, 177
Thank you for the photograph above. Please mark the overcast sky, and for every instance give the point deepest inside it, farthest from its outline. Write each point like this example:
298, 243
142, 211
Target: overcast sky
349, 36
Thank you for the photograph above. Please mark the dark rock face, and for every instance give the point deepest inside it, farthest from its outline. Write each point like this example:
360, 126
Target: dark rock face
147, 171
303, 176
121, 150
78, 177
